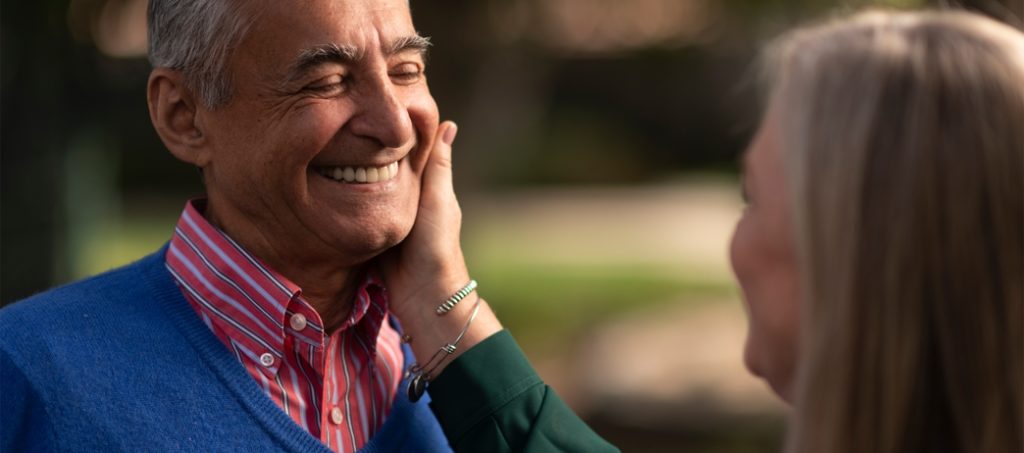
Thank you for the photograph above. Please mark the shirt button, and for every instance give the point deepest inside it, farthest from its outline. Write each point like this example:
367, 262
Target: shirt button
267, 359
336, 416
298, 321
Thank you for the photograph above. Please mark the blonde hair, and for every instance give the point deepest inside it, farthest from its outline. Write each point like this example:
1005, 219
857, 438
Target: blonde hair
904, 140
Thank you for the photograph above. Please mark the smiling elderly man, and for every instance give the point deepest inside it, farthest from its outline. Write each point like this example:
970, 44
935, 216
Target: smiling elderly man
270, 319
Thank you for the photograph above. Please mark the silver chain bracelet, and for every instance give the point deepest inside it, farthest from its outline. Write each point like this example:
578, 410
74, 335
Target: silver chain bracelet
423, 374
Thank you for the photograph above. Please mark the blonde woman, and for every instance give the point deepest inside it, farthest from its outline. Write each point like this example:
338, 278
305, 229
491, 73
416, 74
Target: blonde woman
881, 251
880, 254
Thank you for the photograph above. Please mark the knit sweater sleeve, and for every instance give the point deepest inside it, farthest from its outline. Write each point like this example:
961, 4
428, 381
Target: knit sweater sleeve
24, 424
491, 399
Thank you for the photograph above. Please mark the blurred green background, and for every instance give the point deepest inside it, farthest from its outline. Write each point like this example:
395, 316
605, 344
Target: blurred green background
596, 162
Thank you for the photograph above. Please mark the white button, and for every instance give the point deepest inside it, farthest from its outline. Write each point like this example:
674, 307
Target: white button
298, 321
267, 359
336, 416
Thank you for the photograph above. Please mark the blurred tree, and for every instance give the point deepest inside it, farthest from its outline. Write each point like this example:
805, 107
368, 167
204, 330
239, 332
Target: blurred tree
75, 127
35, 110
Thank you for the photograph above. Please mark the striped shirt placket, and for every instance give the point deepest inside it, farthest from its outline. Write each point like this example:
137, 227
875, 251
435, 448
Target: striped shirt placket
370, 370
311, 390
375, 396
338, 437
381, 394
379, 381
348, 388
358, 370
361, 407
375, 377
392, 364
300, 404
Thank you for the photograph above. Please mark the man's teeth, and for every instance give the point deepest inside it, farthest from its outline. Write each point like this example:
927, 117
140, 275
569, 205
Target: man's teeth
361, 174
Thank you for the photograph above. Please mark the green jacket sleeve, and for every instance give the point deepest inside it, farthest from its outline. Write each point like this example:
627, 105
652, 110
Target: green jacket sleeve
490, 399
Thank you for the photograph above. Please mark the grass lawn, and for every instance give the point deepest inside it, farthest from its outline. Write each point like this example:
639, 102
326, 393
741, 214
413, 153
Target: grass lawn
546, 304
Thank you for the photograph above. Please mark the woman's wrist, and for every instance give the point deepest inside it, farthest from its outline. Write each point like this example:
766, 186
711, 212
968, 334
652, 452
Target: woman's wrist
427, 332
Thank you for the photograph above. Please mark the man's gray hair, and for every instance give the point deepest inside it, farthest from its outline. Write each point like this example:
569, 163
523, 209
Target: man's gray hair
196, 37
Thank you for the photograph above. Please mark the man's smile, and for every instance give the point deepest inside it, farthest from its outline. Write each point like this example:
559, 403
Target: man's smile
359, 175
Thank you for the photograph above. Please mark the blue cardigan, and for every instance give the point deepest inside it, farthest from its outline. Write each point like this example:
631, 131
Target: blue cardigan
121, 362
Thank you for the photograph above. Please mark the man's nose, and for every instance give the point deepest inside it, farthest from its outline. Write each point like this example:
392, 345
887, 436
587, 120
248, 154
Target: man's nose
383, 116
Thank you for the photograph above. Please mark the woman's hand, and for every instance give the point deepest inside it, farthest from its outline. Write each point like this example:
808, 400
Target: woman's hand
428, 266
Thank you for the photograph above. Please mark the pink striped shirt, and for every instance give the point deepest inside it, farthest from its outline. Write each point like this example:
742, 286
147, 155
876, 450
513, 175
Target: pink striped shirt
338, 386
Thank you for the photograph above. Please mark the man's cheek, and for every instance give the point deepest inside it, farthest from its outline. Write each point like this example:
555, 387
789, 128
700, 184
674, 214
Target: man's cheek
409, 210
418, 158
425, 116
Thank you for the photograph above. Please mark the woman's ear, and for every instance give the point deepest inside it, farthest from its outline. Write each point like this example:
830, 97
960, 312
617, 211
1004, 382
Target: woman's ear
173, 111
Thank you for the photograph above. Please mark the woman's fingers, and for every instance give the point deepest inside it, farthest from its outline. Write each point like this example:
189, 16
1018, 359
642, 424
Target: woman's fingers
437, 177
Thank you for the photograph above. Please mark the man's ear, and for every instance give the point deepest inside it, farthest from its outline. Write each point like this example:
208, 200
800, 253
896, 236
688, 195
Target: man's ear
173, 111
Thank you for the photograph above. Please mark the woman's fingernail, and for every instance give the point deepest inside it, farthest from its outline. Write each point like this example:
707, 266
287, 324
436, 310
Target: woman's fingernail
449, 134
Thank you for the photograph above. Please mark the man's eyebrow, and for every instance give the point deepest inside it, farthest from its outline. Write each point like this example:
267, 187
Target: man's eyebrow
337, 53
320, 54
415, 43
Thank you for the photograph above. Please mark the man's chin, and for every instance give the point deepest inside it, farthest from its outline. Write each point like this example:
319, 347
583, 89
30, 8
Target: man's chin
363, 245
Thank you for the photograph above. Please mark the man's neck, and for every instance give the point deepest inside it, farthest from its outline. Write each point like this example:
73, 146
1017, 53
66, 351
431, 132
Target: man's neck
330, 295
327, 286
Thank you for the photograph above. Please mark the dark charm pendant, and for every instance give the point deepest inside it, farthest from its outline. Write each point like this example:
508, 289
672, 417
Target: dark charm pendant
416, 388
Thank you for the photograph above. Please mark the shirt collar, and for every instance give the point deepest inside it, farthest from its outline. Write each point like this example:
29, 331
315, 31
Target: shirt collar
249, 301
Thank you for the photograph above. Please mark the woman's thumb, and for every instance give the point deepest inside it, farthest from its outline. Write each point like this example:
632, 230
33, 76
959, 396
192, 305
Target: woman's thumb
437, 178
